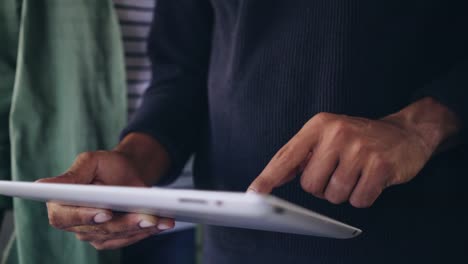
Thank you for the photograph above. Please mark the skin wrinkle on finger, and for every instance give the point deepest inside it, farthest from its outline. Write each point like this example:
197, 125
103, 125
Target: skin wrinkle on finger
296, 150
316, 175
121, 242
121, 224
371, 184
291, 155
346, 176
86, 229
65, 216
338, 191
105, 237
365, 199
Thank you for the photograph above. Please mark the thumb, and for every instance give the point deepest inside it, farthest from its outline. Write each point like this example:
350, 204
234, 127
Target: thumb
83, 170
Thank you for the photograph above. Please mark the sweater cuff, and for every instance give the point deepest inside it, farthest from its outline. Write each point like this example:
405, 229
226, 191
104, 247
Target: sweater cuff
451, 90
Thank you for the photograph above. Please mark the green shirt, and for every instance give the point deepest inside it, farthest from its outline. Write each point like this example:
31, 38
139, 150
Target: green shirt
62, 92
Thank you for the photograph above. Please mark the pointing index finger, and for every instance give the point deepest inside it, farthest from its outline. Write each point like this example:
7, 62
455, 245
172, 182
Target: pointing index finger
284, 165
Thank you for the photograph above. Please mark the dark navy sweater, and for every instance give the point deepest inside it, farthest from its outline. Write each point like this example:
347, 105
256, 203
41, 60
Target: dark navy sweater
235, 79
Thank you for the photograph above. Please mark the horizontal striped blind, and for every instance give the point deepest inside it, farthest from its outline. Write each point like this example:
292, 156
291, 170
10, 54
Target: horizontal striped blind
135, 17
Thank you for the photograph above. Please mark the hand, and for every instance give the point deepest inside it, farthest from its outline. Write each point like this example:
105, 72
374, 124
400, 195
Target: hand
354, 159
103, 228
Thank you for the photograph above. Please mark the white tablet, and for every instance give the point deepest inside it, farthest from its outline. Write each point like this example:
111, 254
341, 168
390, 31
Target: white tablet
244, 210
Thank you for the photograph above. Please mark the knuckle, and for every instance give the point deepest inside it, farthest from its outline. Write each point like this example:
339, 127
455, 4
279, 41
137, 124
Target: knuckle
359, 202
284, 158
340, 129
308, 186
376, 157
322, 117
381, 164
335, 192
346, 184
85, 156
337, 182
333, 198
284, 154
306, 128
365, 199
54, 220
104, 229
359, 146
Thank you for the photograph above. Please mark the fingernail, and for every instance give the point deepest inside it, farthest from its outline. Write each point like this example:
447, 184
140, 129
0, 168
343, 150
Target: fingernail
102, 217
163, 226
251, 190
146, 224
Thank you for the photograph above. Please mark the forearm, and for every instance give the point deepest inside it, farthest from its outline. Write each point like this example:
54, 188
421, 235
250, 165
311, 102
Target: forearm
436, 125
149, 156
174, 106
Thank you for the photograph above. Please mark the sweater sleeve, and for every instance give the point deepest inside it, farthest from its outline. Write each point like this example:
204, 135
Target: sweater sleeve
451, 89
175, 105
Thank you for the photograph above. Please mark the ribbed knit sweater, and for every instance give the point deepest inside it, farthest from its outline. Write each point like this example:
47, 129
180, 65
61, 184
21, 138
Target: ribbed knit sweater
235, 79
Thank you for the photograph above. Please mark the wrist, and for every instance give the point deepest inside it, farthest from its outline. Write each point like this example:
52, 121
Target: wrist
433, 123
147, 155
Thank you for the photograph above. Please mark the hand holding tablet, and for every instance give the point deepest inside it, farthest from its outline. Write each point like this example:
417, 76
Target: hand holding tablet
102, 227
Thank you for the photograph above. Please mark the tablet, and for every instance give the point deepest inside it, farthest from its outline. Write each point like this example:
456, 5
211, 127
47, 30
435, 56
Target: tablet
232, 209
